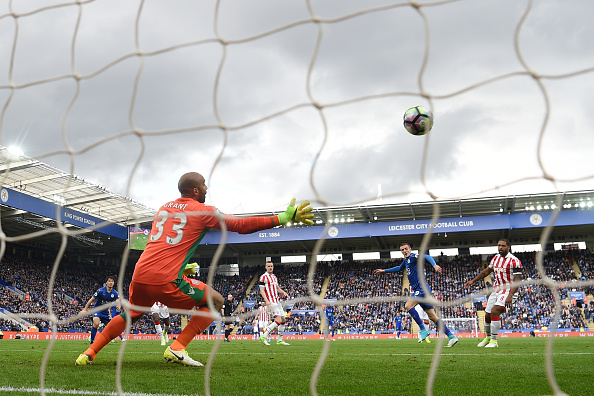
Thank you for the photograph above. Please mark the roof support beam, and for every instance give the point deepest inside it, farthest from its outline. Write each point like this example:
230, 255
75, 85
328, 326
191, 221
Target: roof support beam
321, 215
65, 189
304, 247
362, 212
90, 198
12, 212
17, 165
381, 243
45, 178
130, 221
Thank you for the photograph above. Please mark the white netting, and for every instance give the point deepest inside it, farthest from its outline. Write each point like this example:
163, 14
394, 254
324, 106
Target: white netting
463, 325
298, 95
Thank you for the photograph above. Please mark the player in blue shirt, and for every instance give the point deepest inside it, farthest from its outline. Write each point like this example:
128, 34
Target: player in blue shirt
329, 311
106, 294
398, 321
410, 263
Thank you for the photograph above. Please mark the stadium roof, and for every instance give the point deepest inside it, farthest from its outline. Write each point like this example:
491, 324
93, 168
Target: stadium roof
574, 200
40, 180
45, 182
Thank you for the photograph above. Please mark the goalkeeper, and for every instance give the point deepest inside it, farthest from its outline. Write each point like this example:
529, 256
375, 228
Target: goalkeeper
177, 230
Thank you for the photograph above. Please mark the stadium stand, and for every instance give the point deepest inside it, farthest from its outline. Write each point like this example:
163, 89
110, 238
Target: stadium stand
24, 291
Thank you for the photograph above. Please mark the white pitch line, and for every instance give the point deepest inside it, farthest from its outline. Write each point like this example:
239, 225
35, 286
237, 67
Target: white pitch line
268, 352
464, 354
80, 392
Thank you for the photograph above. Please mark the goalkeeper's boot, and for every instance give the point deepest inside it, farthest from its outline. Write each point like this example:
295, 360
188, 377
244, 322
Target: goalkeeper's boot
424, 334
83, 360
264, 341
180, 357
453, 341
492, 344
484, 342
281, 342
112, 341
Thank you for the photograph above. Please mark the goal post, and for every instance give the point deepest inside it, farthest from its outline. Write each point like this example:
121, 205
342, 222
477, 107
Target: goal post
468, 327
464, 326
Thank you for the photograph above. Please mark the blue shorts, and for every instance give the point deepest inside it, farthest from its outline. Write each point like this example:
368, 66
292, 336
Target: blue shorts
103, 317
330, 322
419, 294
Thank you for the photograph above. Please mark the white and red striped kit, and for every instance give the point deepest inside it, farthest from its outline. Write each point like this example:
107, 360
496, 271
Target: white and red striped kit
263, 314
503, 269
270, 284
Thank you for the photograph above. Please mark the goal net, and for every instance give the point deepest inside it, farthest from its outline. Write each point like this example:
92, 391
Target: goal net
463, 327
274, 99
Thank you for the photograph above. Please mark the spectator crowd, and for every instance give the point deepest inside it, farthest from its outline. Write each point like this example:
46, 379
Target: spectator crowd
365, 303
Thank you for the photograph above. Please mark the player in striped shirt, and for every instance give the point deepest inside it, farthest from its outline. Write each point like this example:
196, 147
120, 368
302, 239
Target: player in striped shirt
263, 319
161, 312
270, 290
505, 269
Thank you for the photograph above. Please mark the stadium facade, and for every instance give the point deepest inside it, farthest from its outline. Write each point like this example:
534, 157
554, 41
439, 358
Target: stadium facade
37, 199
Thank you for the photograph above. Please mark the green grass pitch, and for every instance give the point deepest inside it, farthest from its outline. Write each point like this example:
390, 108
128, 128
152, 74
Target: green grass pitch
353, 367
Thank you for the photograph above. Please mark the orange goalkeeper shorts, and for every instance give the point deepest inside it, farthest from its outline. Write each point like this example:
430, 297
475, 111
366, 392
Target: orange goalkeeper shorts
181, 294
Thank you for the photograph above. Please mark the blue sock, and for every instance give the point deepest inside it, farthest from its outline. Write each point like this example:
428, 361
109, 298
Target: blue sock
333, 332
445, 328
415, 315
93, 333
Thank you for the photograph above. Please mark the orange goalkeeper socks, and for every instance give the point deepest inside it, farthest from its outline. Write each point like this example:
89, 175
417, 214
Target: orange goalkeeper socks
196, 325
114, 328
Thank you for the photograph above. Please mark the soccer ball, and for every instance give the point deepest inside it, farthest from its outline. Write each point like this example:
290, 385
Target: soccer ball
418, 120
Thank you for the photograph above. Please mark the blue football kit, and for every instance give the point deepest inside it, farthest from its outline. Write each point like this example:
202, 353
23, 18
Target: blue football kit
102, 296
413, 276
330, 316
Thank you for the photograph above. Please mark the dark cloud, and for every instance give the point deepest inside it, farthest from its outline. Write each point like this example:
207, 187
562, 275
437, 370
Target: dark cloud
482, 138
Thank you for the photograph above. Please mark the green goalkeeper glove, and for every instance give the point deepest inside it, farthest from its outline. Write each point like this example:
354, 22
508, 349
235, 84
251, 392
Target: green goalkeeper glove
297, 215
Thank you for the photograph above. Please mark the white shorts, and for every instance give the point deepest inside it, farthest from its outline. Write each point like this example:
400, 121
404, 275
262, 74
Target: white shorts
276, 309
162, 310
262, 324
496, 298
422, 314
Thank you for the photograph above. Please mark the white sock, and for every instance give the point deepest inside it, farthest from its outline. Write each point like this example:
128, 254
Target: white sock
495, 326
280, 332
270, 329
159, 330
165, 330
488, 329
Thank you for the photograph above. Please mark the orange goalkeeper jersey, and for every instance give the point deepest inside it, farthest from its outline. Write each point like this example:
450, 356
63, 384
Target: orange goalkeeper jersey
177, 231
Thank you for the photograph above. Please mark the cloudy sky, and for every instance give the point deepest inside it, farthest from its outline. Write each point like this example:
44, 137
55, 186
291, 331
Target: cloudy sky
240, 94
